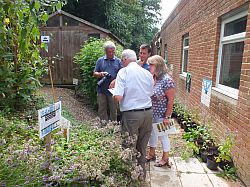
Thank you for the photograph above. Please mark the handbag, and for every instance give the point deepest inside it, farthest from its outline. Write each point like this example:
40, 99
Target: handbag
160, 129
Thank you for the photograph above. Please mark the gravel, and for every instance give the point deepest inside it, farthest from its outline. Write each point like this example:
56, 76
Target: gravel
78, 107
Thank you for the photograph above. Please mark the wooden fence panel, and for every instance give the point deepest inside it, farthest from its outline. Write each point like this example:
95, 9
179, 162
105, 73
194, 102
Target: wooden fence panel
65, 44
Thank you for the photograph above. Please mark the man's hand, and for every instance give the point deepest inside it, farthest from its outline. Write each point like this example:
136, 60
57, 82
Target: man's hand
118, 98
112, 84
100, 74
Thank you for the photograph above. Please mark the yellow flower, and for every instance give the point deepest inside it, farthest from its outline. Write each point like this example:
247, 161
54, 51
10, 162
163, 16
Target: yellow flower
6, 21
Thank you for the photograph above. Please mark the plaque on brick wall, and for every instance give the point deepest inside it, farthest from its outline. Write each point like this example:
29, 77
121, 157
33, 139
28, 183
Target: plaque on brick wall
206, 92
188, 82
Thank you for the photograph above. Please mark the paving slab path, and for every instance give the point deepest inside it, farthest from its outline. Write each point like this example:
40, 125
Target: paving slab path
190, 173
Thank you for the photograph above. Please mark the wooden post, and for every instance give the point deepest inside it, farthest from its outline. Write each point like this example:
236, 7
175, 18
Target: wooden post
52, 85
49, 137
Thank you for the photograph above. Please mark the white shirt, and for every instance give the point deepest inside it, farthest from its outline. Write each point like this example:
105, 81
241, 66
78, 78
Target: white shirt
135, 84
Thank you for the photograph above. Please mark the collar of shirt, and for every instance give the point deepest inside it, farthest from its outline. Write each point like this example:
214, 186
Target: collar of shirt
145, 66
106, 58
132, 63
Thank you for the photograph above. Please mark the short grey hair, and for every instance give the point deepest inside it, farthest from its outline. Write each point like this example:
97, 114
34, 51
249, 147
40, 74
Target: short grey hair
108, 45
129, 54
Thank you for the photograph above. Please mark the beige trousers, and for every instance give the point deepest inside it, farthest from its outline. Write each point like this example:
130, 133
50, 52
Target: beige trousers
106, 103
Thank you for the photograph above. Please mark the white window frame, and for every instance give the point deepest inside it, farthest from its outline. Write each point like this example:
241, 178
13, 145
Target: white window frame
184, 48
232, 92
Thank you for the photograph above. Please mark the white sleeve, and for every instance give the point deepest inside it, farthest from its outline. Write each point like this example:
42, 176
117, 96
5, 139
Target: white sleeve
120, 83
152, 84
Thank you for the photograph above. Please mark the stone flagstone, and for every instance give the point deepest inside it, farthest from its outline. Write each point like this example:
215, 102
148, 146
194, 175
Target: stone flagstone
192, 165
162, 179
195, 180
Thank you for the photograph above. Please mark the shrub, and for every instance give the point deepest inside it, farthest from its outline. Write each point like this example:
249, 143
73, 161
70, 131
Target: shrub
86, 59
20, 63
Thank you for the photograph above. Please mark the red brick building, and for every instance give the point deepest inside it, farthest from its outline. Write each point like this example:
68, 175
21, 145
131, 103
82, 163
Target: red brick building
210, 39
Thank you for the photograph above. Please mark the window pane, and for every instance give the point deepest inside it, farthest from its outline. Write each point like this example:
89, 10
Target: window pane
231, 64
185, 60
186, 42
235, 27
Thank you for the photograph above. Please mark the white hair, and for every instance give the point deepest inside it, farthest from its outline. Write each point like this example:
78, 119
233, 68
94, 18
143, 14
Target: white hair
129, 54
108, 45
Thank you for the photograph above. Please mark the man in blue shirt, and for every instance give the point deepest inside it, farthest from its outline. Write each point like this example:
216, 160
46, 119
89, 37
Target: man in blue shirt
144, 54
107, 67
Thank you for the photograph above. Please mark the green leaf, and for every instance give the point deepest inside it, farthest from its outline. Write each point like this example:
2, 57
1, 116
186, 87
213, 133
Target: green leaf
59, 6
45, 17
37, 6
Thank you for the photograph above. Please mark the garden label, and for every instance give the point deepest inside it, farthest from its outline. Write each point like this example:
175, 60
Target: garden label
49, 118
65, 125
75, 81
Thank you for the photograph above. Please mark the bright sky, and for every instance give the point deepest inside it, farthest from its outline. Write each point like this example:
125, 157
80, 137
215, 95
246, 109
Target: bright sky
167, 7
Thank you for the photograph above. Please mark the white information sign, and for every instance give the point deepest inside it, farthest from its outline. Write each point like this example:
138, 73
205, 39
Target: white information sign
45, 39
75, 81
49, 118
206, 92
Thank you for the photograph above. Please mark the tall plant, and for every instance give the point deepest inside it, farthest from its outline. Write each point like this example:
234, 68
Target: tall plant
20, 62
86, 59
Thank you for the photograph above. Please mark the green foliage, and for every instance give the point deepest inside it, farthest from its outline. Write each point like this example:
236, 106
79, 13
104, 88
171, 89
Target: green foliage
229, 173
93, 156
187, 152
132, 21
224, 150
20, 63
86, 59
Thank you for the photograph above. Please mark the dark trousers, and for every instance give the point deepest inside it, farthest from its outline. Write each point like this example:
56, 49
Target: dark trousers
138, 123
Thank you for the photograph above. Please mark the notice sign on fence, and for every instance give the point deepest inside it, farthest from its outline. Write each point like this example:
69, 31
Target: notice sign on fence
45, 39
49, 118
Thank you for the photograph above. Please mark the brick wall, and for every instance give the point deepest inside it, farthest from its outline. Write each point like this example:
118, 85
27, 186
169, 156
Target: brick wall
202, 20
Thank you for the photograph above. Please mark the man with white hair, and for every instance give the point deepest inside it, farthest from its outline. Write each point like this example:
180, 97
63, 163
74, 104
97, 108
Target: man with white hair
133, 89
106, 70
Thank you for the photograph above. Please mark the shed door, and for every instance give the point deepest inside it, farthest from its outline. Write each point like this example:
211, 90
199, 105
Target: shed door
65, 44
71, 44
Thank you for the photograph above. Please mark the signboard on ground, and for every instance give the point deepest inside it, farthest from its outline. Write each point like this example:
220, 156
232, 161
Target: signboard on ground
49, 118
206, 92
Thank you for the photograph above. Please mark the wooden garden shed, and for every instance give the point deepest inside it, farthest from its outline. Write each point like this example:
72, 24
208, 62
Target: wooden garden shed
67, 34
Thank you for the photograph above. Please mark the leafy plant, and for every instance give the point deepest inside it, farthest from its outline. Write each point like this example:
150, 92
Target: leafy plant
224, 150
94, 156
187, 152
86, 59
229, 173
20, 63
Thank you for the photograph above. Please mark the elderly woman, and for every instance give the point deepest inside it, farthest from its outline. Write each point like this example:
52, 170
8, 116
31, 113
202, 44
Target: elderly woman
162, 102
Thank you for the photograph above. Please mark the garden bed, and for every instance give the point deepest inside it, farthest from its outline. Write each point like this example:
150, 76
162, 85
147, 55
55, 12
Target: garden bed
93, 156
